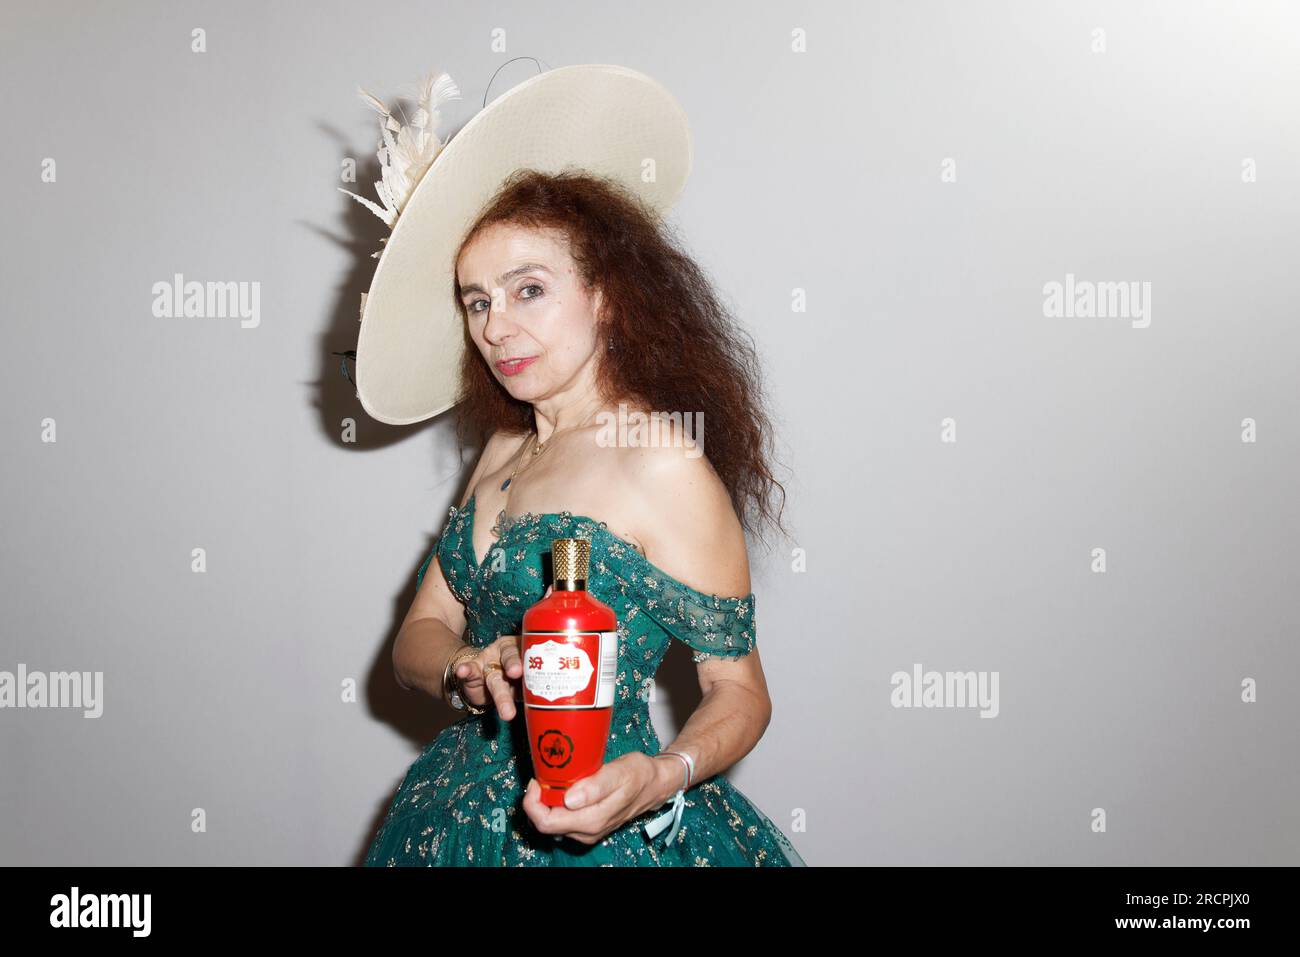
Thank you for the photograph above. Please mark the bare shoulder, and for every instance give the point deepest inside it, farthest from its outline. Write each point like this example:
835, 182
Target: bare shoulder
688, 526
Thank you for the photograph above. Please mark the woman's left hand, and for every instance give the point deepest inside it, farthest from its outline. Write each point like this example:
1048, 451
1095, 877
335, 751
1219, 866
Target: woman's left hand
621, 790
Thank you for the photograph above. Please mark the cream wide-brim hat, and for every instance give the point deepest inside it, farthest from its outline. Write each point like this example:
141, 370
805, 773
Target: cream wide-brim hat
600, 118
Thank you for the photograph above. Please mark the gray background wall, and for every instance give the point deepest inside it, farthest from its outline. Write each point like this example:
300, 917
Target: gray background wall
819, 171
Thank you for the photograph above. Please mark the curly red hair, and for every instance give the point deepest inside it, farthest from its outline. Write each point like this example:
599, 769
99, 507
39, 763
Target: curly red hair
655, 300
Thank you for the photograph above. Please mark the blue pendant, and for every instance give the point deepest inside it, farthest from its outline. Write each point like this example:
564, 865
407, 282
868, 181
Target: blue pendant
505, 485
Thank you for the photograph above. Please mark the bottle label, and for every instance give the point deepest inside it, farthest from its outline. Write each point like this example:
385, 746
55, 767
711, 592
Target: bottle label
570, 669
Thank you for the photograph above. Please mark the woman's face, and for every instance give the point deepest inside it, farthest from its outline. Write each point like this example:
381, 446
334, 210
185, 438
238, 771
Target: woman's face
524, 300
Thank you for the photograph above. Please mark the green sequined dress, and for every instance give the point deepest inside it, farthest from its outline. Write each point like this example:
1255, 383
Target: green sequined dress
460, 803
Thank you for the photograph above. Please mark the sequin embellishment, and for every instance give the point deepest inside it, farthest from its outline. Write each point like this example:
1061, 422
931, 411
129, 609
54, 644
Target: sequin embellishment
460, 801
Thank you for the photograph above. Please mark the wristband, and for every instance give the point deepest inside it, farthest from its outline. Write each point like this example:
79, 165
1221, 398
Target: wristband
674, 814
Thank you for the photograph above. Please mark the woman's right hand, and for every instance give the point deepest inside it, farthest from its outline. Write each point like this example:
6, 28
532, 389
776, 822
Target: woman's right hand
501, 686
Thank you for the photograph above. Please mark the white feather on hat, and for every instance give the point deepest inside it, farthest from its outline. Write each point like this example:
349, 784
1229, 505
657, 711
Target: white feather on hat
404, 159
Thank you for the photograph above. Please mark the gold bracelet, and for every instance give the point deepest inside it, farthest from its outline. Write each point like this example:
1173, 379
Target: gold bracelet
458, 692
451, 694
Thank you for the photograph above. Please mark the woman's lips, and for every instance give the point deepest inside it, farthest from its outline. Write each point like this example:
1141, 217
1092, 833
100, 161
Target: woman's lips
515, 366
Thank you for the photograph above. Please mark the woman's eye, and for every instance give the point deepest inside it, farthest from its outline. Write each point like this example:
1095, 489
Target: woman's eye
473, 307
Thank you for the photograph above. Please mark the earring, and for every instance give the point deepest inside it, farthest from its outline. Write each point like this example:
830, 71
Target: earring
611, 343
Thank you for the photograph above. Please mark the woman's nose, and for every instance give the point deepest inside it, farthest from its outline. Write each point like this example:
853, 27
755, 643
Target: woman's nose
499, 325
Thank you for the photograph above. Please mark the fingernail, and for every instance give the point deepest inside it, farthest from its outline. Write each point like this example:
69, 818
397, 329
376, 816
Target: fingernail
574, 799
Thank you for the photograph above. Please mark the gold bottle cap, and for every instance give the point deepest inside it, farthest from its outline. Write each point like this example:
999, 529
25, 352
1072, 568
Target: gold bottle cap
570, 558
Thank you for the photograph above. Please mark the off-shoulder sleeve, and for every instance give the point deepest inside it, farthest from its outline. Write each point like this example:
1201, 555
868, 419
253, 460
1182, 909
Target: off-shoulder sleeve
711, 625
452, 512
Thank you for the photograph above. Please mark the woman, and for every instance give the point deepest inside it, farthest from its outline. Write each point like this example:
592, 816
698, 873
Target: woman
576, 304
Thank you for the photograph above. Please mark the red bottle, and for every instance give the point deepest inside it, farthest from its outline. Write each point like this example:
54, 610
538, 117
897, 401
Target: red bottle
570, 655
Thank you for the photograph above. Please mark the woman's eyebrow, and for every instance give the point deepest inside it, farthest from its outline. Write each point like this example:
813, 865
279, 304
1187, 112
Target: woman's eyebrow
505, 277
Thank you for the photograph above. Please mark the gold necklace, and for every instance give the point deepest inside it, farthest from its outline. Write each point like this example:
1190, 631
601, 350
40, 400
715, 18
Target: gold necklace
538, 449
